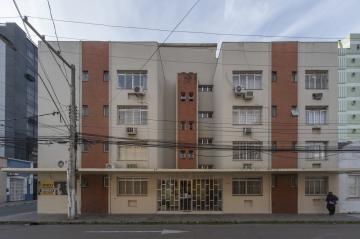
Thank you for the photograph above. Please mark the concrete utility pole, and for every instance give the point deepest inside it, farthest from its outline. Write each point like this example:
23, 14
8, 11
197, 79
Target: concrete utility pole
71, 168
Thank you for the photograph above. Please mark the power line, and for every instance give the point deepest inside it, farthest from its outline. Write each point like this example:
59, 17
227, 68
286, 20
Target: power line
33, 116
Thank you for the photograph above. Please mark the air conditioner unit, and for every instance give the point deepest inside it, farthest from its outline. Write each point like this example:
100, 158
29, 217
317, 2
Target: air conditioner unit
353, 102
138, 90
131, 165
353, 74
131, 130
316, 127
247, 131
317, 96
247, 166
61, 164
248, 95
294, 112
109, 165
316, 165
237, 90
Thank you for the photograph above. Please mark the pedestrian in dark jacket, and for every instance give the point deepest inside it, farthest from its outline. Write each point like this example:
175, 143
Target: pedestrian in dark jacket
331, 201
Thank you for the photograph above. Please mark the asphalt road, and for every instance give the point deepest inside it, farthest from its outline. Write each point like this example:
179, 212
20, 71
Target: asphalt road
17, 209
247, 231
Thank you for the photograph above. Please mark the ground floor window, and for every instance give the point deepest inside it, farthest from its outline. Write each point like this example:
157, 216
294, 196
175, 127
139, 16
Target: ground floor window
316, 186
132, 186
247, 186
354, 186
200, 194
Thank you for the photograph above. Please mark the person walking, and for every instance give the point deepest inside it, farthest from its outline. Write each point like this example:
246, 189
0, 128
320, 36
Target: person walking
331, 201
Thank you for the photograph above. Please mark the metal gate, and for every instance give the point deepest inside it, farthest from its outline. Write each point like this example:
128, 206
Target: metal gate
17, 189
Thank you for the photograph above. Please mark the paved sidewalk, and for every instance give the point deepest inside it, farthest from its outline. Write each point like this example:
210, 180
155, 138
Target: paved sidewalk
34, 218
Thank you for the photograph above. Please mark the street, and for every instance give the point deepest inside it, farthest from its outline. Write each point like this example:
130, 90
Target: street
248, 231
16, 209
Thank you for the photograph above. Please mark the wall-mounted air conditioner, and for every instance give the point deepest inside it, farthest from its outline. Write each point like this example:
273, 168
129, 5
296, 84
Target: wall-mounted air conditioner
248, 95
139, 91
131, 130
317, 96
247, 166
247, 131
238, 90
109, 165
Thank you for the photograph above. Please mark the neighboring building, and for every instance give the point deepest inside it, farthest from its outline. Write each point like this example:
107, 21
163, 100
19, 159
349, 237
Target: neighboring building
2, 180
189, 132
349, 183
19, 186
349, 88
18, 95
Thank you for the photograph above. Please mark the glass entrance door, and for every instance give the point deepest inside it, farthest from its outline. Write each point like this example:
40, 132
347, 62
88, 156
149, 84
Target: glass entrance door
185, 195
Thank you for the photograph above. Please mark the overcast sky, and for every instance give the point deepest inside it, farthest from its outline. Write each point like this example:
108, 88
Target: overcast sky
314, 18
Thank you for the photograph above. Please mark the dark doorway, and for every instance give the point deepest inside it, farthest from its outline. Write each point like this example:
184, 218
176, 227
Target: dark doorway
284, 193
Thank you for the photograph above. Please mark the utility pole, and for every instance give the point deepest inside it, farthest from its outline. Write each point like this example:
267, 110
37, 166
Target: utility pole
71, 166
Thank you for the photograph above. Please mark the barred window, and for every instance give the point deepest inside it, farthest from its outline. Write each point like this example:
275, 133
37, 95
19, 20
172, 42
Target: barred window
205, 114
132, 115
316, 186
247, 186
316, 150
246, 115
205, 88
132, 186
132, 79
247, 150
316, 79
249, 80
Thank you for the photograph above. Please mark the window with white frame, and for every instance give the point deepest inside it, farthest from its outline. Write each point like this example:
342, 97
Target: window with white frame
246, 115
205, 141
316, 186
132, 187
316, 115
353, 186
131, 79
247, 186
85, 76
205, 114
205, 88
247, 150
248, 80
84, 110
316, 79
132, 115
316, 150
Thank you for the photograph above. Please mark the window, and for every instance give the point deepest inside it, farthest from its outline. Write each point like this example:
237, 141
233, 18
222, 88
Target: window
353, 186
132, 186
182, 96
273, 145
132, 153
191, 154
294, 145
316, 115
315, 150
183, 125
294, 111
294, 76
105, 110
205, 114
132, 115
205, 88
191, 125
273, 76
85, 147
247, 150
316, 186
246, 115
246, 186
182, 154
106, 76
85, 75
273, 111
106, 147
205, 141
191, 96
353, 60
358, 47
247, 80
131, 79
316, 80
84, 110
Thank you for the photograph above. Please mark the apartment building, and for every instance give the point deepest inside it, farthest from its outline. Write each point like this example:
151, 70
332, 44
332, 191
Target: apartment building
349, 120
248, 131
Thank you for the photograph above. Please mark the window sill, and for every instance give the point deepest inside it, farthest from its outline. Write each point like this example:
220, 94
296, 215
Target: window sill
247, 160
247, 195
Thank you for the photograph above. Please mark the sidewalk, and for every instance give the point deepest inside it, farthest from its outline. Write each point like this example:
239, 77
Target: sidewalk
33, 218
11, 204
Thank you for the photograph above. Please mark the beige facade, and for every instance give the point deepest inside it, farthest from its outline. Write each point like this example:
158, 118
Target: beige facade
2, 181
248, 188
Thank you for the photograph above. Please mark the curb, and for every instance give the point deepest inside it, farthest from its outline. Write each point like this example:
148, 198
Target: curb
89, 222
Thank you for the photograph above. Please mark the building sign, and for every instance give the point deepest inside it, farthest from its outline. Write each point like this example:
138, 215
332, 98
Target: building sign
50, 188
